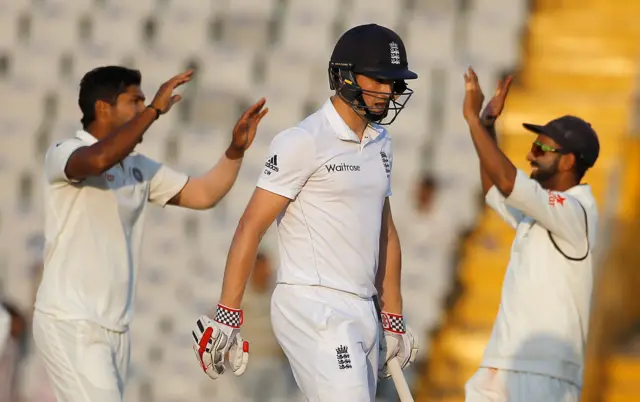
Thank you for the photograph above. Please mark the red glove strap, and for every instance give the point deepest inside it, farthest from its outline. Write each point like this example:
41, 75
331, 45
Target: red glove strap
231, 317
393, 322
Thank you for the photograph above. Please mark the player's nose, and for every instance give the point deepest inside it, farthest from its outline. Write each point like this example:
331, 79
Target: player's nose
530, 157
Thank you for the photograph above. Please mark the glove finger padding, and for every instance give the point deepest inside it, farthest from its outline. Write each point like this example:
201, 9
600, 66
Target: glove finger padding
210, 347
403, 346
408, 349
414, 348
238, 355
389, 348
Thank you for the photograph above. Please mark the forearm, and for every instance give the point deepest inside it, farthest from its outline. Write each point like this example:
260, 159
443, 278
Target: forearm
388, 281
497, 166
240, 262
218, 181
120, 143
484, 176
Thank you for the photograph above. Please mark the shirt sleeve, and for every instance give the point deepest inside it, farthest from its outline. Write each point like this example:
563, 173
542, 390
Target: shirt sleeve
496, 201
164, 182
290, 163
57, 158
558, 212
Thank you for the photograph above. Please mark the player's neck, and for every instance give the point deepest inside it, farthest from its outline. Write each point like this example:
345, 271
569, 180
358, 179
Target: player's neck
560, 184
356, 123
98, 131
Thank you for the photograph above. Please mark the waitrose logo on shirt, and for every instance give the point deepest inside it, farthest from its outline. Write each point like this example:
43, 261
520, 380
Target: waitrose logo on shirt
342, 167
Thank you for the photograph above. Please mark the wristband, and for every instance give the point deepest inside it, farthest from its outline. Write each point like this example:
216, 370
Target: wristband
393, 322
229, 316
158, 112
234, 153
488, 121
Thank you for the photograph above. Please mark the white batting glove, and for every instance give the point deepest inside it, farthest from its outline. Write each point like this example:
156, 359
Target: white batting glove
218, 344
397, 341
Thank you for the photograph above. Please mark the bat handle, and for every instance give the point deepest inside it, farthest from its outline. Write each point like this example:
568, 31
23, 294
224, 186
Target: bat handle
399, 381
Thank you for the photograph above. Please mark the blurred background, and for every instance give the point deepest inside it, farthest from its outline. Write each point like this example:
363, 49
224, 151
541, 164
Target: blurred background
568, 57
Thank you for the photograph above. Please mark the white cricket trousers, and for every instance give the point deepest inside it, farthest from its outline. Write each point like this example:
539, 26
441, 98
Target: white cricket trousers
85, 362
493, 385
331, 341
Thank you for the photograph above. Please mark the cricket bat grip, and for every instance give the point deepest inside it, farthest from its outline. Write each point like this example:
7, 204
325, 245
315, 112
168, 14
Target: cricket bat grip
399, 381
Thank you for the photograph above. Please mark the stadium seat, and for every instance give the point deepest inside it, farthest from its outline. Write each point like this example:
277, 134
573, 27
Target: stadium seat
34, 66
380, 12
56, 29
308, 35
246, 30
138, 8
9, 28
505, 40
183, 35
433, 38
87, 58
228, 70
117, 29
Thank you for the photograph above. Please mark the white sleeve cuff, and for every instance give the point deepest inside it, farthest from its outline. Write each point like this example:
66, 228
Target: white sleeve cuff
273, 188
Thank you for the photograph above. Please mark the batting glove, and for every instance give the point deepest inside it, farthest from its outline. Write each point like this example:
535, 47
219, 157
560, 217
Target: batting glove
398, 341
218, 344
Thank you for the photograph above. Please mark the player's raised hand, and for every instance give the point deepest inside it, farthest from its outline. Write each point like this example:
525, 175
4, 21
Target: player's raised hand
165, 99
473, 97
494, 107
245, 129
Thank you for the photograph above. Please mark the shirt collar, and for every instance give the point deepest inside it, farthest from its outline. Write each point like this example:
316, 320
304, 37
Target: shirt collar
579, 188
342, 130
86, 137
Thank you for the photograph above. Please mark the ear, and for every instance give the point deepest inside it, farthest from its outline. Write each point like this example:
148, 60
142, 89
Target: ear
567, 162
103, 110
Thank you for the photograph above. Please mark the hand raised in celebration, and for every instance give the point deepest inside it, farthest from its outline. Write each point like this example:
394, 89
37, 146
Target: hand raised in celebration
494, 107
473, 97
165, 99
245, 129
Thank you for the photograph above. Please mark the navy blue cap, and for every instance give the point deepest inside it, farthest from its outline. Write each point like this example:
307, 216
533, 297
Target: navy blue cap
574, 135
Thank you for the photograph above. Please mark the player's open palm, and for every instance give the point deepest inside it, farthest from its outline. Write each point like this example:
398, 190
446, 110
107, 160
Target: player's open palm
245, 129
473, 97
494, 107
165, 98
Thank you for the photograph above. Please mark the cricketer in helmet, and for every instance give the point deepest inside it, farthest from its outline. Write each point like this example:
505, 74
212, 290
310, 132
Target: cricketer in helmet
368, 70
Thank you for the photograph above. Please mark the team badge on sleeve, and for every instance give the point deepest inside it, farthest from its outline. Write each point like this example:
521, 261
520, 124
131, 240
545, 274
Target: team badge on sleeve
137, 174
385, 162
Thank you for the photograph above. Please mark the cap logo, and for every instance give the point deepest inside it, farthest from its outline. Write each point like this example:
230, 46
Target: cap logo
395, 53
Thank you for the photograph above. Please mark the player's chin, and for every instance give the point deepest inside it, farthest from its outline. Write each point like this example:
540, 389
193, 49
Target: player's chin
535, 172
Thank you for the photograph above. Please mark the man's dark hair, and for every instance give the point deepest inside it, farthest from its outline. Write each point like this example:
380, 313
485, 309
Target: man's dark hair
104, 84
580, 169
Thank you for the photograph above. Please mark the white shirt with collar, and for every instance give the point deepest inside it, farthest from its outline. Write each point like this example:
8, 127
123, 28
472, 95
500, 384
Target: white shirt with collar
329, 234
93, 234
543, 319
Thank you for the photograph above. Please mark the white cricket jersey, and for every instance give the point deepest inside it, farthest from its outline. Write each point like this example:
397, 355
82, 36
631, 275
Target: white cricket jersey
543, 318
93, 234
329, 233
